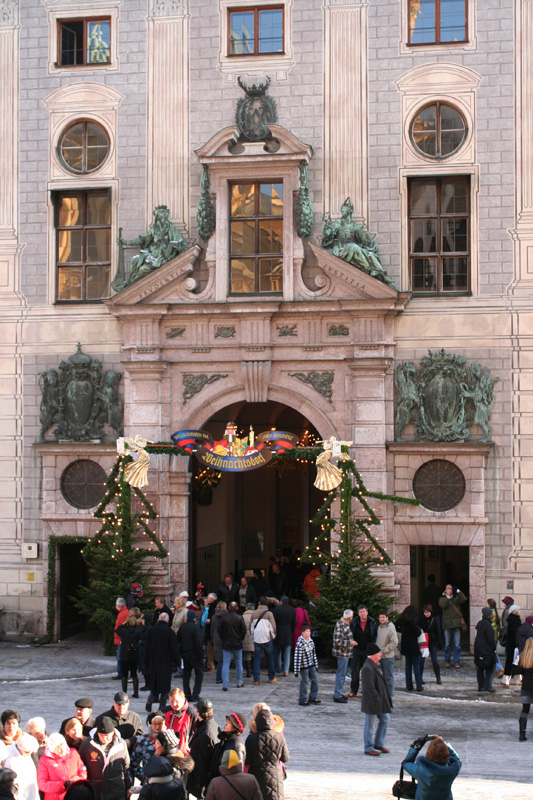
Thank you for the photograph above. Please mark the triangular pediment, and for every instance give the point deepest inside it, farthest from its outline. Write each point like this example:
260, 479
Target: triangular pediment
351, 283
226, 145
163, 285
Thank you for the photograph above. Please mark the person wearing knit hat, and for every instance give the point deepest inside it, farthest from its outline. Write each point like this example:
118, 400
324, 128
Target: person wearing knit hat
375, 702
485, 651
58, 767
18, 757
240, 784
106, 758
265, 749
524, 632
229, 739
513, 624
502, 636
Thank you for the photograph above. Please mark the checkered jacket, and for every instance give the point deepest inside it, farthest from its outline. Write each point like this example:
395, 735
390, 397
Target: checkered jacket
342, 638
304, 655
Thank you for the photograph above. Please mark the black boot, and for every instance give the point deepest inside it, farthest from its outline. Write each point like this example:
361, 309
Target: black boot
125, 685
248, 665
436, 670
135, 686
422, 665
522, 721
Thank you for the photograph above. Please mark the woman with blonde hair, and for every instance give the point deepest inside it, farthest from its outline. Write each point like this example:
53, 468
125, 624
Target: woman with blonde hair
279, 725
526, 668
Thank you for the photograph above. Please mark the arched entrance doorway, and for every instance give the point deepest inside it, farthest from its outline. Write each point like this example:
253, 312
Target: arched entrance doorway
251, 516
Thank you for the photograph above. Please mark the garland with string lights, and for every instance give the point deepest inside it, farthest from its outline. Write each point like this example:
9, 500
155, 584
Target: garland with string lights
114, 557
350, 580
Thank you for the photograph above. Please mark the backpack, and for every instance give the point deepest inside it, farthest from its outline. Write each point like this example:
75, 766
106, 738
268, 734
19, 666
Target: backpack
130, 650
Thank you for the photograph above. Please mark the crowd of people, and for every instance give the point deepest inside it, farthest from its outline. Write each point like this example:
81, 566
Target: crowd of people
109, 756
241, 623
184, 751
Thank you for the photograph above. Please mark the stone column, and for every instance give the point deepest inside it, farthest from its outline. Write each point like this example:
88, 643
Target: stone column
178, 522
345, 106
168, 109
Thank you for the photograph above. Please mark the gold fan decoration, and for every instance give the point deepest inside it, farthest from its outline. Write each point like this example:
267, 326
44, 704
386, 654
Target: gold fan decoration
328, 476
136, 472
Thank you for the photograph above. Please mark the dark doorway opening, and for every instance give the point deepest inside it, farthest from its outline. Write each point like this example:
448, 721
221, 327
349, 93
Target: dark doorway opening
448, 565
72, 575
251, 516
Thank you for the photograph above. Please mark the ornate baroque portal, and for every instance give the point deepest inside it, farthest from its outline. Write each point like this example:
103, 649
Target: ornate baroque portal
192, 348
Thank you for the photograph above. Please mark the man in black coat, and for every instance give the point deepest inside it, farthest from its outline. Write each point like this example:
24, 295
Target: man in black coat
161, 608
278, 581
285, 617
232, 633
161, 652
228, 590
84, 713
192, 653
485, 651
203, 743
364, 631
375, 702
128, 723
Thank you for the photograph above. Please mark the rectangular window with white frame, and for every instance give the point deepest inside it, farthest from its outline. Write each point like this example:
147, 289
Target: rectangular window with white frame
83, 42
439, 236
437, 21
83, 245
255, 30
256, 238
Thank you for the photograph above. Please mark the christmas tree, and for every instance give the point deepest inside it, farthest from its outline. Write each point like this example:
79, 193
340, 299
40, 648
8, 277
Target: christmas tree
115, 556
349, 580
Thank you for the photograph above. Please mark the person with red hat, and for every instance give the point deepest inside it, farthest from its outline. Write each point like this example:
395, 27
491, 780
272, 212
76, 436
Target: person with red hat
229, 739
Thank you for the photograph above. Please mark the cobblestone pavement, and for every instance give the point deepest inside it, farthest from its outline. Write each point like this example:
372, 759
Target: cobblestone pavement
325, 742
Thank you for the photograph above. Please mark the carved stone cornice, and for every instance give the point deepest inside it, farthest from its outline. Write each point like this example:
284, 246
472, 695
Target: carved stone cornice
162, 283
349, 282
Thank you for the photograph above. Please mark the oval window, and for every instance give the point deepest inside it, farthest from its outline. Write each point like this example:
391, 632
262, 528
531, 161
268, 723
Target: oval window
438, 131
83, 147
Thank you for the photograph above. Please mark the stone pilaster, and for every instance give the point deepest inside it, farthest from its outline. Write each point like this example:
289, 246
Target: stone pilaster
168, 109
14, 580
522, 234
345, 106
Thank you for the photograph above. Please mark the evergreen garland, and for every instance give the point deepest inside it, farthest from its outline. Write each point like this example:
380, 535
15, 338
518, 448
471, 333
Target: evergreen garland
113, 559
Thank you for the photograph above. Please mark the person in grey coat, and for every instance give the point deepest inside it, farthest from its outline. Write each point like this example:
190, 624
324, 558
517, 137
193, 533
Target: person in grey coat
375, 702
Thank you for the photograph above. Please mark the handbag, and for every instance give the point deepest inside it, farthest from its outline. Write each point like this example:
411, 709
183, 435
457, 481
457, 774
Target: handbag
423, 643
403, 788
464, 626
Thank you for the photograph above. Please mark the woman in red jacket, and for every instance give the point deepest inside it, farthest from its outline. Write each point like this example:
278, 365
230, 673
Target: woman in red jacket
58, 768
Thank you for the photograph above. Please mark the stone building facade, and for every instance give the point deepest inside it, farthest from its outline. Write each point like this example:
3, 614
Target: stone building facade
426, 123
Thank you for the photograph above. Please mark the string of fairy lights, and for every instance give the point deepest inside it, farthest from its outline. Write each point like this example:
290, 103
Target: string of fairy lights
325, 549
